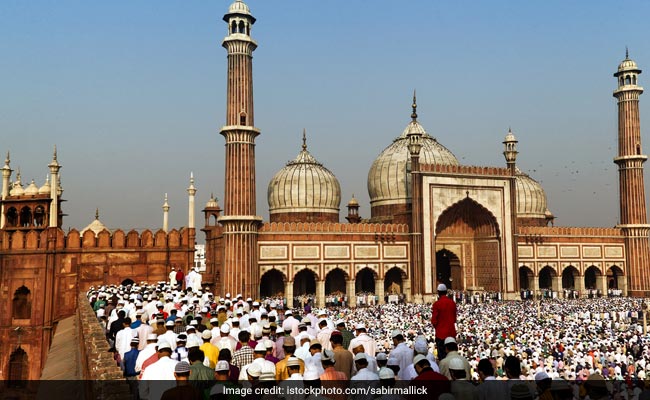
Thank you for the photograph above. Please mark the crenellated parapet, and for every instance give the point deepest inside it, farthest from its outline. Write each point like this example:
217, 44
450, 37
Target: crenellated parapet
104, 240
465, 170
569, 231
317, 227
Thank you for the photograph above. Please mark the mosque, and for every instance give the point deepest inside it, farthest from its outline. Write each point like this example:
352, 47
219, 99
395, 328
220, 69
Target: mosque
433, 220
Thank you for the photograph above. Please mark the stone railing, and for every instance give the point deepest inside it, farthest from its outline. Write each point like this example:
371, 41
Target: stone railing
99, 368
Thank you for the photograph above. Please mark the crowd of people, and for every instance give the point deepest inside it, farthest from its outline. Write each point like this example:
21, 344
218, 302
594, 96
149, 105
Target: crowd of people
171, 342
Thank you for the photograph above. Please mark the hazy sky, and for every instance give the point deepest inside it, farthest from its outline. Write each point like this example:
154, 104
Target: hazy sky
133, 94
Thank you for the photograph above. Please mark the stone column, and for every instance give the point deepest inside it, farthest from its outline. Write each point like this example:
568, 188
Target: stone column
580, 285
351, 293
407, 289
288, 293
320, 293
601, 283
557, 286
379, 290
535, 286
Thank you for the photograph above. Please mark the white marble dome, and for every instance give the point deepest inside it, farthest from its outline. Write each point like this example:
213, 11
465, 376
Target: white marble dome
531, 198
304, 185
627, 65
239, 7
32, 189
389, 180
45, 189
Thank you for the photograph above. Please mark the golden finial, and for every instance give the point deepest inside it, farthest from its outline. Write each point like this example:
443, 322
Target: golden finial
304, 139
97, 213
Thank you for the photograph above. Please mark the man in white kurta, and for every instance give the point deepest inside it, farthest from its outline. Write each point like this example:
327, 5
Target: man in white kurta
159, 376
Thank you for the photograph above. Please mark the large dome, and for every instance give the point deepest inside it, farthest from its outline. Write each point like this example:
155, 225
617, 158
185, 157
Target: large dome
389, 181
531, 199
304, 186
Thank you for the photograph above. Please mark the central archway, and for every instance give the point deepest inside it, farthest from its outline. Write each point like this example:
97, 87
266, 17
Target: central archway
473, 229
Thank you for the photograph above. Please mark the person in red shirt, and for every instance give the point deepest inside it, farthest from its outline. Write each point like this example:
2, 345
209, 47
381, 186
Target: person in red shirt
180, 278
443, 319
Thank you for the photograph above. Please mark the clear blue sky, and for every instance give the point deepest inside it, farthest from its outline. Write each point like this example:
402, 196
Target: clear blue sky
133, 94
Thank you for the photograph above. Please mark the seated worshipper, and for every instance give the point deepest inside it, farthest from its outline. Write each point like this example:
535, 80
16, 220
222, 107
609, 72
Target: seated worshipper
461, 387
364, 376
401, 352
369, 345
489, 389
451, 349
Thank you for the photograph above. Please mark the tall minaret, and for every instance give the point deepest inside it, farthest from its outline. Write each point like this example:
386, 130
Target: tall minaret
414, 136
165, 208
634, 220
239, 272
54, 192
191, 192
6, 177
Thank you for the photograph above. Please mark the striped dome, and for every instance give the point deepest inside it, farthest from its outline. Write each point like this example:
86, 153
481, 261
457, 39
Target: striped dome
531, 199
304, 185
389, 181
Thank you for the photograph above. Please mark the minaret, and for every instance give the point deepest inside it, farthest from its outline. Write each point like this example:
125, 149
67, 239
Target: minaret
417, 269
239, 271
510, 153
634, 220
6, 177
54, 192
191, 191
165, 208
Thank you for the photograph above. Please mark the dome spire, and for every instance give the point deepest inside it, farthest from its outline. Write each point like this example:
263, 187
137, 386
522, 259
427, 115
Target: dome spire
97, 213
304, 139
627, 53
414, 115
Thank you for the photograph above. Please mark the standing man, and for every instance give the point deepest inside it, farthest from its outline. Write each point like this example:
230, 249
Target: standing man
180, 276
443, 319
172, 278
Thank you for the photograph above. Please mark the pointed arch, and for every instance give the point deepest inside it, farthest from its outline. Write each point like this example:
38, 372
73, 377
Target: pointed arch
21, 305
18, 368
465, 214
526, 277
365, 281
304, 283
272, 283
335, 281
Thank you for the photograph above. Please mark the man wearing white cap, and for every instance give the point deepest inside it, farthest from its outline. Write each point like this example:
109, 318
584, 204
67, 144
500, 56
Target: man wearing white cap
148, 351
362, 338
224, 340
290, 323
143, 331
443, 319
169, 334
162, 370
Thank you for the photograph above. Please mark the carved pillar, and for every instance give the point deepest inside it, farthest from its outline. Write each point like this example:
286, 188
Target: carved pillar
351, 293
288, 293
320, 293
379, 290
